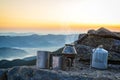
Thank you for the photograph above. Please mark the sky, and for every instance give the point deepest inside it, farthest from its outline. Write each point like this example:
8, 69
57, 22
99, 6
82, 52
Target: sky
58, 16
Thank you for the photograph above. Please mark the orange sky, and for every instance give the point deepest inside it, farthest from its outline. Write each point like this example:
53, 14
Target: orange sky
58, 16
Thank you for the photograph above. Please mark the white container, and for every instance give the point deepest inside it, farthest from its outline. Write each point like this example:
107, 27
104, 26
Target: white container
100, 58
43, 59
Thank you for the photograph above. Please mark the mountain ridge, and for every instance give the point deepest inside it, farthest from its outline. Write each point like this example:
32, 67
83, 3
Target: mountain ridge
6, 52
35, 40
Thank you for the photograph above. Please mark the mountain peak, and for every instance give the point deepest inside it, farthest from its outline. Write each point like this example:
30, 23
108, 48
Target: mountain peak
102, 29
104, 32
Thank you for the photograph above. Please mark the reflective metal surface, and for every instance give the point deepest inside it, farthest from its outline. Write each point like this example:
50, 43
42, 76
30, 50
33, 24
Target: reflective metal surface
69, 49
43, 59
57, 62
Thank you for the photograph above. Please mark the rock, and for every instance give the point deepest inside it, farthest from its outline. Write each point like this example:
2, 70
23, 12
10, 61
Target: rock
94, 41
104, 33
110, 41
80, 72
13, 74
117, 76
117, 33
3, 75
116, 46
113, 56
27, 73
82, 37
102, 78
92, 31
114, 67
83, 52
20, 73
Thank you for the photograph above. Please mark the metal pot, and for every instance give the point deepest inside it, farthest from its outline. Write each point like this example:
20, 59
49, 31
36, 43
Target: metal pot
43, 59
58, 62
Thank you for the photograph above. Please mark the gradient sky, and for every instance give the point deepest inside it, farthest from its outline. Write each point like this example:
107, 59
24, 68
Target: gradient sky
58, 16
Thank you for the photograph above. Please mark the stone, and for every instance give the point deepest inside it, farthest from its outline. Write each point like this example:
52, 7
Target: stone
13, 74
20, 73
94, 38
3, 75
27, 73
83, 52
81, 72
104, 33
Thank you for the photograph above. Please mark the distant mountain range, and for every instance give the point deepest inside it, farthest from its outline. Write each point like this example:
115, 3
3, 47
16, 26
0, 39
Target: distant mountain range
35, 40
29, 58
6, 53
16, 62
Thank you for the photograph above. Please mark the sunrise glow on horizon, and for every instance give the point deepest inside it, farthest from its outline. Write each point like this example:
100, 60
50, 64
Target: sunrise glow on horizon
58, 16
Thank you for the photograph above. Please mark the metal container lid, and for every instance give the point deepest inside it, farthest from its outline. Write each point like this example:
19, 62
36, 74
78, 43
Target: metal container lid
69, 49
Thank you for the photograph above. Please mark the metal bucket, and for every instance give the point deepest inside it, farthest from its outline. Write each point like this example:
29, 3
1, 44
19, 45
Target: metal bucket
43, 59
58, 62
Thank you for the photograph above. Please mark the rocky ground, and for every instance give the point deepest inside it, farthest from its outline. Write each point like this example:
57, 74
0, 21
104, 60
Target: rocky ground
81, 71
112, 73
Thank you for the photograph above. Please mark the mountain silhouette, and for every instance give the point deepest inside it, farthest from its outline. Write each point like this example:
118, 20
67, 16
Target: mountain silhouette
34, 40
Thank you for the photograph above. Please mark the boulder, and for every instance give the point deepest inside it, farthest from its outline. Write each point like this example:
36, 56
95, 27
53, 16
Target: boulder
20, 73
104, 33
113, 56
95, 41
110, 41
3, 75
28, 73
92, 31
116, 46
83, 52
82, 72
